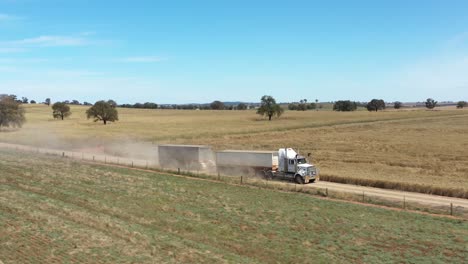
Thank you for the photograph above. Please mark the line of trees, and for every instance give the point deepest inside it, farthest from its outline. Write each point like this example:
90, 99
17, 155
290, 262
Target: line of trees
302, 105
147, 105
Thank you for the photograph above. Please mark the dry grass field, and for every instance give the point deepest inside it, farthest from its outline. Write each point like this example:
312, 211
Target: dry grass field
56, 210
411, 147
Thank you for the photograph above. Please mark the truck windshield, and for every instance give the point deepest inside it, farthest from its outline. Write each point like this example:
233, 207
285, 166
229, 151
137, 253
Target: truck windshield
301, 161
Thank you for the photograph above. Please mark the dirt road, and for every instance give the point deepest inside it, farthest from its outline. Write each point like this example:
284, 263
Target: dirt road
409, 197
393, 195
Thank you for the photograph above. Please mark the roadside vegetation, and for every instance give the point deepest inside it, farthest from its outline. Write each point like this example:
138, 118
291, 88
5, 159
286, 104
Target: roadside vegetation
66, 211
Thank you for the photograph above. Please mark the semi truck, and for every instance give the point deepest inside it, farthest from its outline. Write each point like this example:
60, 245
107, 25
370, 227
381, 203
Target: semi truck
285, 163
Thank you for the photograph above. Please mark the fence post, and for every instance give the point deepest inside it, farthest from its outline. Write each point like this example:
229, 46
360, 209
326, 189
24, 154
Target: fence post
241, 180
363, 196
63, 154
105, 159
219, 176
93, 158
404, 202
132, 163
326, 192
178, 170
451, 208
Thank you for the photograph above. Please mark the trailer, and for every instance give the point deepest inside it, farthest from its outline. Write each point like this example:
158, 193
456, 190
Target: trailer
186, 157
236, 162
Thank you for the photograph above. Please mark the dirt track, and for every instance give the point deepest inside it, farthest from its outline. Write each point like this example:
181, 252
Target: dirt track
408, 197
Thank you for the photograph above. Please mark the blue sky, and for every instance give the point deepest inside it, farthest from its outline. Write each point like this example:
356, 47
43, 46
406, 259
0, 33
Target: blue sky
200, 51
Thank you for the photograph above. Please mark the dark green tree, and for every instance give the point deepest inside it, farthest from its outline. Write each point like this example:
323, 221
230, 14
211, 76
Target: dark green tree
431, 103
293, 106
344, 106
302, 105
11, 112
397, 105
60, 110
241, 106
461, 104
375, 105
217, 105
103, 111
312, 106
47, 101
269, 107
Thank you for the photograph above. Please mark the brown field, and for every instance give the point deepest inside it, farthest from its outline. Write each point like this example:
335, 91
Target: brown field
410, 147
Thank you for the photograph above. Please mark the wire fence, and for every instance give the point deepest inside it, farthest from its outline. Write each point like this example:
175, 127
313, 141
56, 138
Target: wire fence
403, 202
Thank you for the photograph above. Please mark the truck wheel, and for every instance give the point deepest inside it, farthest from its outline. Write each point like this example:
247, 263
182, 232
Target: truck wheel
299, 179
268, 175
312, 181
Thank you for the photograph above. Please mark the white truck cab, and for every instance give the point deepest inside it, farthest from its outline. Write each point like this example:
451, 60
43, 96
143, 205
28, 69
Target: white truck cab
292, 165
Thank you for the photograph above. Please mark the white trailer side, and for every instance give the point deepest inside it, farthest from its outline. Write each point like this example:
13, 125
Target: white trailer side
246, 161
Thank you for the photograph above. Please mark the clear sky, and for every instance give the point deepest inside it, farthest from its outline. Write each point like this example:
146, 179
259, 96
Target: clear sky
200, 51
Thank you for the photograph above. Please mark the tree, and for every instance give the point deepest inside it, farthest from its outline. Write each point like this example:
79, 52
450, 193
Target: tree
24, 100
461, 104
112, 103
33, 102
47, 101
11, 112
75, 102
103, 111
217, 105
397, 105
293, 106
269, 107
241, 106
60, 110
312, 106
431, 103
344, 106
302, 105
375, 105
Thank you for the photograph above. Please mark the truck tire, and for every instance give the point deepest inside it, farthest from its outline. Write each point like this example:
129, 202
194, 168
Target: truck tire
298, 179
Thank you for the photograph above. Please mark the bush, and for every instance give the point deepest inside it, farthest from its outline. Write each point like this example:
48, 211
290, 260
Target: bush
11, 112
344, 106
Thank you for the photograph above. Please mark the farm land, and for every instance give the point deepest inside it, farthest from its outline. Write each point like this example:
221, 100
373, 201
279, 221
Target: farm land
407, 146
55, 210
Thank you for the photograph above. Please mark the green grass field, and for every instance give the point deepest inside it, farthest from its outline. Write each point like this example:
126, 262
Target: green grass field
59, 210
407, 146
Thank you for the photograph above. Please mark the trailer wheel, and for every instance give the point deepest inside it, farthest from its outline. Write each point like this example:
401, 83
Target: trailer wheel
299, 179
